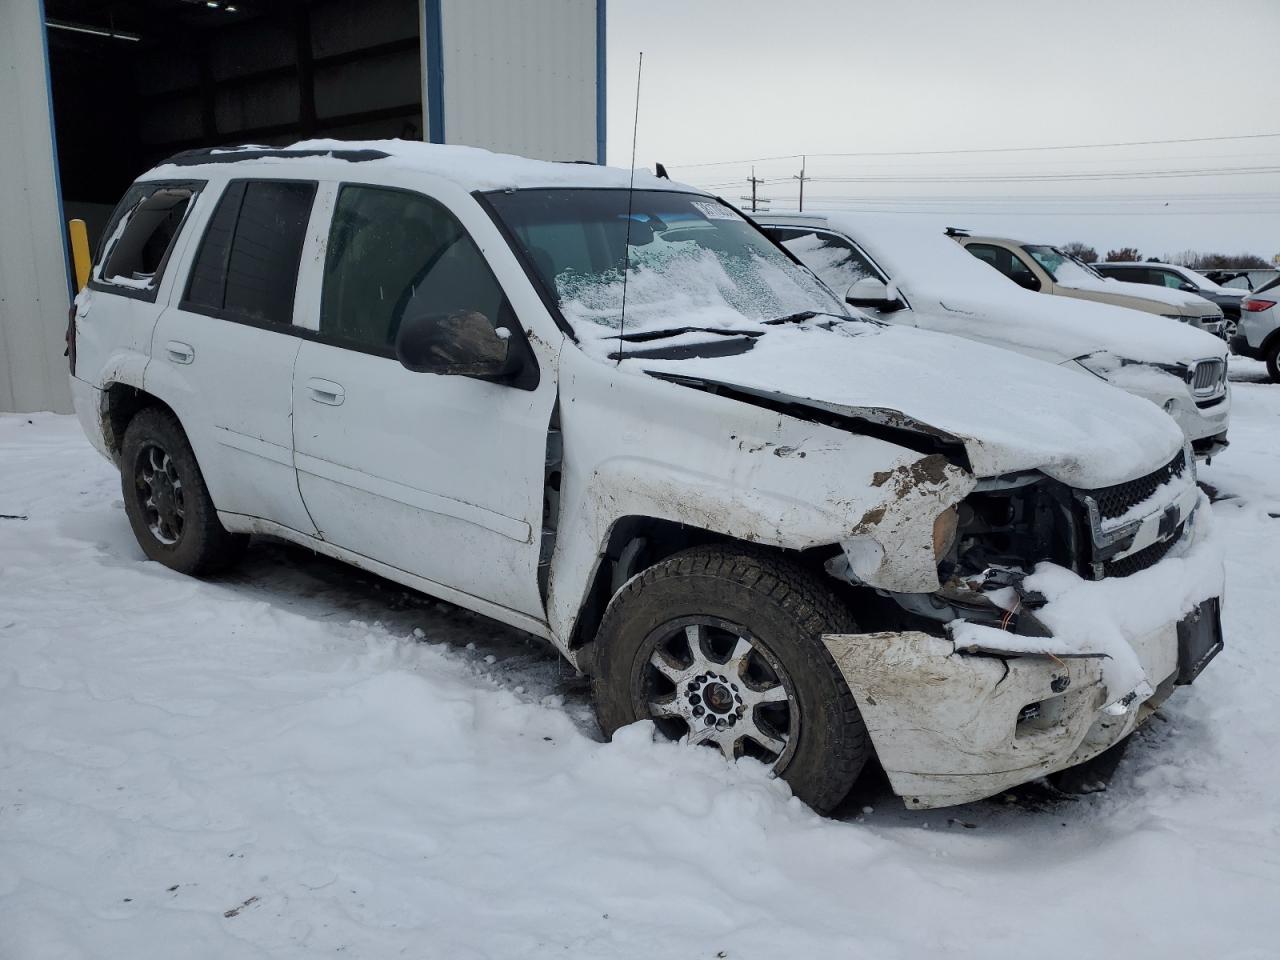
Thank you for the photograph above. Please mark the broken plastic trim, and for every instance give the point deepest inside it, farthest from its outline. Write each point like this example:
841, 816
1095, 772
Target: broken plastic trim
882, 424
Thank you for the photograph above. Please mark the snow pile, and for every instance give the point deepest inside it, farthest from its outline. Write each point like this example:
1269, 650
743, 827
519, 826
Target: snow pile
235, 768
956, 293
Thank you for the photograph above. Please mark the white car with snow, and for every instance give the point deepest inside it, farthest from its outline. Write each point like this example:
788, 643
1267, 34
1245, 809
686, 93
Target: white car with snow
907, 274
1258, 334
755, 520
1042, 268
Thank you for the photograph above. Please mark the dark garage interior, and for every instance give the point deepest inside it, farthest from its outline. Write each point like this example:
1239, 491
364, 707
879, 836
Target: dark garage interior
135, 82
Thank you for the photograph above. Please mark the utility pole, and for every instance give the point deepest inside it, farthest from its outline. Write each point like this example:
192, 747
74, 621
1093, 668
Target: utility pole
802, 178
755, 200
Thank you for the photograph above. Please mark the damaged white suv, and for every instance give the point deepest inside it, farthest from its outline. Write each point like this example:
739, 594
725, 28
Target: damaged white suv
760, 522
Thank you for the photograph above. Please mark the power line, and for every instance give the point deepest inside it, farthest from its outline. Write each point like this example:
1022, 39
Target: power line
939, 153
1041, 177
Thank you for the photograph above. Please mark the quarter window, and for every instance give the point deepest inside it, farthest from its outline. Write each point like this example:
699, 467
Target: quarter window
393, 254
247, 267
141, 237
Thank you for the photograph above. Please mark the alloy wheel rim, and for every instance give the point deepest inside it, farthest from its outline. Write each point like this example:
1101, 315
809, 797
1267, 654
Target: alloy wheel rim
710, 682
160, 494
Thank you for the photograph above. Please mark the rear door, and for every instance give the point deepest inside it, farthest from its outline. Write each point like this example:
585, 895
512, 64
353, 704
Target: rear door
223, 354
117, 311
439, 476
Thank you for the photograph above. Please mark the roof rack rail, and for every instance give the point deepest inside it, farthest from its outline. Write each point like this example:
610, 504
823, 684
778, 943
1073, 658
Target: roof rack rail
190, 158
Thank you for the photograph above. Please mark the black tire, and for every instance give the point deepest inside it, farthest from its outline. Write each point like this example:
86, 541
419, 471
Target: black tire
178, 525
782, 610
1273, 361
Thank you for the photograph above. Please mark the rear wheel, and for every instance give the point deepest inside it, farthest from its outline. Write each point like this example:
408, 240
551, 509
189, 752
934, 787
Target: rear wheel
166, 500
721, 647
1273, 361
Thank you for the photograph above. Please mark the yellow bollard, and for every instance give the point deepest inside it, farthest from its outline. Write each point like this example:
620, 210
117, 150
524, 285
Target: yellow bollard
80, 258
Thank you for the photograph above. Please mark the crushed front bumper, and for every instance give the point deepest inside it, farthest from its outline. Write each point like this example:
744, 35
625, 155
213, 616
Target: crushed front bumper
965, 716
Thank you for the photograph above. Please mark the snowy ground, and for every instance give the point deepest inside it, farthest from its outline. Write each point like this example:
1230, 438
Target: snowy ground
276, 764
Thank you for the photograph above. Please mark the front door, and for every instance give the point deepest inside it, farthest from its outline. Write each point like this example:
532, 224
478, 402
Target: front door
439, 476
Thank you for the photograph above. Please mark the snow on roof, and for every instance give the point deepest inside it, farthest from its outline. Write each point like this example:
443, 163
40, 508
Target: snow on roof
472, 168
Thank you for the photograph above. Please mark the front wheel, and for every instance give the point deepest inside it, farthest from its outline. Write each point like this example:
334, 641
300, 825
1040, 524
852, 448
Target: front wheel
721, 647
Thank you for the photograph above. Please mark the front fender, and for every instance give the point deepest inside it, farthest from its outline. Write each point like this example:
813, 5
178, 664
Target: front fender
635, 445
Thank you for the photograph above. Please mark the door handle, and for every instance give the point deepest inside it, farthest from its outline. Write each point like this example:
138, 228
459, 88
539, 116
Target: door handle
326, 391
180, 352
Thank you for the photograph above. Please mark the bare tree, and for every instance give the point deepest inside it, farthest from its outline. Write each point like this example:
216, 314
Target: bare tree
1081, 251
1124, 255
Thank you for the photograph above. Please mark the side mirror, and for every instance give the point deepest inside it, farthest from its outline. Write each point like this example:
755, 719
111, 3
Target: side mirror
1027, 281
871, 293
462, 344
1188, 287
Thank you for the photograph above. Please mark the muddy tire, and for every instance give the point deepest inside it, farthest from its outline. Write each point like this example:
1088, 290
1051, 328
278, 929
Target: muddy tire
721, 645
166, 499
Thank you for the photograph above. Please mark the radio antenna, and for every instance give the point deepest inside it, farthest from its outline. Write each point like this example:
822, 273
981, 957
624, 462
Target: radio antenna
631, 190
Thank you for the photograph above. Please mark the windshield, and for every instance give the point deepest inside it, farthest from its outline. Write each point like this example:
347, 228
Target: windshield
1063, 267
693, 263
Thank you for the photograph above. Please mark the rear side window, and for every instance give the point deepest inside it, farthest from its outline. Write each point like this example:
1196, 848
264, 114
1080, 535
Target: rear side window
394, 254
141, 236
247, 267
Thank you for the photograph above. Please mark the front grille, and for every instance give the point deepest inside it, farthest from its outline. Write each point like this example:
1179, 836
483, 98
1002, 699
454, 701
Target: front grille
1146, 557
1207, 376
1114, 501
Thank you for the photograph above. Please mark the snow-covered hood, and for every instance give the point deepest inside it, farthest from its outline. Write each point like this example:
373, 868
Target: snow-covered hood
1060, 329
1010, 412
1191, 302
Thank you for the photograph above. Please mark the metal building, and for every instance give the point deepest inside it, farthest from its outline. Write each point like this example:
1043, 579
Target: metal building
92, 92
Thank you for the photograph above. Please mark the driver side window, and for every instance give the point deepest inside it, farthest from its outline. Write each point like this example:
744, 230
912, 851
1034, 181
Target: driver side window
836, 261
395, 255
1006, 262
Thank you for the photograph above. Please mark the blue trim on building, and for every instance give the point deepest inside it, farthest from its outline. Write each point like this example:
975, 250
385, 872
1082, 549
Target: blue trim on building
435, 71
57, 172
601, 101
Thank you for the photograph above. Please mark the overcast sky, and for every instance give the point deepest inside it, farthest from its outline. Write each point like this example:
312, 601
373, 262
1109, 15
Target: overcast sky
731, 81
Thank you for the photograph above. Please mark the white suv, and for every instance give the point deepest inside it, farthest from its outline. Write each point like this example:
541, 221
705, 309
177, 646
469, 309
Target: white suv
937, 286
757, 521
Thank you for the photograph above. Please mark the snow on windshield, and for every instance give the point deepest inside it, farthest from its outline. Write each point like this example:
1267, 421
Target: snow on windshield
1062, 268
689, 261
683, 285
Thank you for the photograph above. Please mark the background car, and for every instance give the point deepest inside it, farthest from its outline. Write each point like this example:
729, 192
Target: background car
1258, 334
1043, 268
1177, 278
910, 275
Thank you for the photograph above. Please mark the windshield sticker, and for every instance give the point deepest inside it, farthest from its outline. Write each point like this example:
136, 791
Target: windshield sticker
714, 211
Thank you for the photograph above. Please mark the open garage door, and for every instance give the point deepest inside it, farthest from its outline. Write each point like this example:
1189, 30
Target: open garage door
135, 82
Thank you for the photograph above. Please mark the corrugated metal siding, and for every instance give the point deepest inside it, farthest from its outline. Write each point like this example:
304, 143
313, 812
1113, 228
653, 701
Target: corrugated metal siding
520, 77
33, 277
